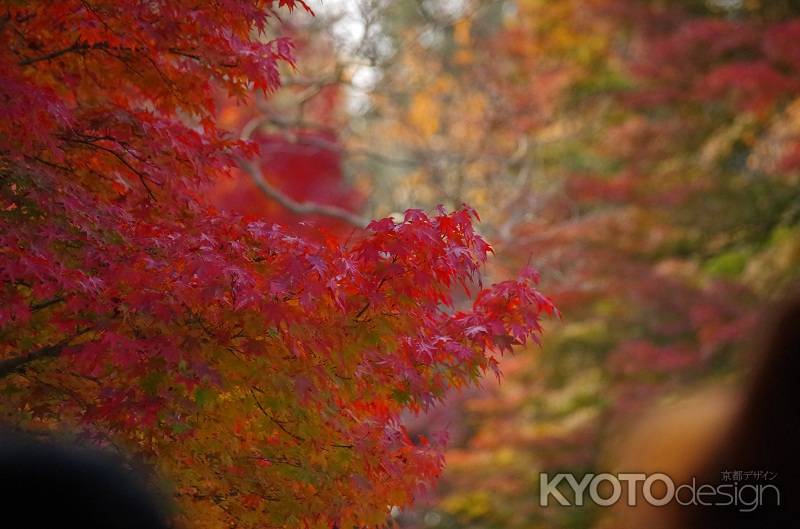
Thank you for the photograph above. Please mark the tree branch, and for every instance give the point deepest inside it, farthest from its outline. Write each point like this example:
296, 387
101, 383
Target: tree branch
54, 54
300, 208
11, 365
277, 423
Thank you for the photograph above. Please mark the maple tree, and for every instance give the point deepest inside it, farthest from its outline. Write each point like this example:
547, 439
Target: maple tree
262, 370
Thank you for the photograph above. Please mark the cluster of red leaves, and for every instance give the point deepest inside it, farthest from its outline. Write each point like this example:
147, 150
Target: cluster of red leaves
265, 372
754, 63
751, 65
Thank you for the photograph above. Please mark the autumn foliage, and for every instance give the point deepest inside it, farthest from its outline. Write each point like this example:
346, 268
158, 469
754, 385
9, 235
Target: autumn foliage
646, 153
263, 372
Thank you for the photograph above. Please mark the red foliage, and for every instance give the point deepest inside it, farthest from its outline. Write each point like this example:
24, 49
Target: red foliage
754, 62
124, 285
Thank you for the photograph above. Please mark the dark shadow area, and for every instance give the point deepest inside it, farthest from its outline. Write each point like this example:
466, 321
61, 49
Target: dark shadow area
51, 485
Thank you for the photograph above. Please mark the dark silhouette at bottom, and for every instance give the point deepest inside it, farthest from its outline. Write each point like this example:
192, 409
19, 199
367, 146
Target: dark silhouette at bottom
49, 485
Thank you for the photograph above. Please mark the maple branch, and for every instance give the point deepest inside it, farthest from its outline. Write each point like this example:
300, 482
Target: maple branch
332, 146
182, 53
278, 423
380, 284
92, 143
11, 365
47, 303
300, 208
54, 54
79, 47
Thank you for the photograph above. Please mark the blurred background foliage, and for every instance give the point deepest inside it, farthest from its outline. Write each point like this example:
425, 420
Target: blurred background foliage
643, 155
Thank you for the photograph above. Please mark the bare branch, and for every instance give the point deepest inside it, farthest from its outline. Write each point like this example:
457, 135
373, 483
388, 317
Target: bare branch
300, 208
